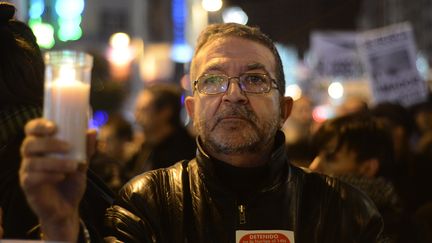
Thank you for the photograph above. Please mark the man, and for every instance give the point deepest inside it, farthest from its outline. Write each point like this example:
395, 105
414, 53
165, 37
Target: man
166, 140
240, 186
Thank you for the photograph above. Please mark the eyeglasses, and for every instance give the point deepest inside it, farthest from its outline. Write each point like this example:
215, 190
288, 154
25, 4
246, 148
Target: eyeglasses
253, 83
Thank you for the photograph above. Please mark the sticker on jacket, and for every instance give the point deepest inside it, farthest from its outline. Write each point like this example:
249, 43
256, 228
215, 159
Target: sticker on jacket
264, 236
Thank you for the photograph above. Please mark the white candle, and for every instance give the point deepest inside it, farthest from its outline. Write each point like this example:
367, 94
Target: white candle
67, 105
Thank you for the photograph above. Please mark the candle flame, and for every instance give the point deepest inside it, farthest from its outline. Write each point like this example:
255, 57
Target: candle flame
67, 74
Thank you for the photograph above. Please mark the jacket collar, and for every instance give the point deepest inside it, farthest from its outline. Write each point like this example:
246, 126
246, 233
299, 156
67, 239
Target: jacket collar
277, 167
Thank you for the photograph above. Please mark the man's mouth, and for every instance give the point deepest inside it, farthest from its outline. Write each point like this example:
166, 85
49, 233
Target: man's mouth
232, 118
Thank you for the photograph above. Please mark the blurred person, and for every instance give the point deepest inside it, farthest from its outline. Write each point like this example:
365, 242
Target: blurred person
422, 115
114, 138
240, 181
21, 95
298, 130
165, 138
397, 118
112, 153
352, 104
412, 169
357, 150
422, 166
423, 224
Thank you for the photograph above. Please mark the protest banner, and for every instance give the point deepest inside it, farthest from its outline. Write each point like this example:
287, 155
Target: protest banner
334, 55
389, 57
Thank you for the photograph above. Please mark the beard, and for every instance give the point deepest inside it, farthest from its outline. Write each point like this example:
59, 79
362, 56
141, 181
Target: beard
237, 130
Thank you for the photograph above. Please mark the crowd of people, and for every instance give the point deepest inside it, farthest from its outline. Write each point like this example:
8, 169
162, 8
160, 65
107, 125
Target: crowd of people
257, 163
384, 150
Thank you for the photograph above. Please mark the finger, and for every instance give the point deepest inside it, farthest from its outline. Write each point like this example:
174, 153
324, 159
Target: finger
49, 164
91, 142
36, 146
40, 127
28, 181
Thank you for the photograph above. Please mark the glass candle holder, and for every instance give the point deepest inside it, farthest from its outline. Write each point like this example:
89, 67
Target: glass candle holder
66, 97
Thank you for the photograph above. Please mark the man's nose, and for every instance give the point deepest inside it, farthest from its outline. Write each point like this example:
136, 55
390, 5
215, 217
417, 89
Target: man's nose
234, 92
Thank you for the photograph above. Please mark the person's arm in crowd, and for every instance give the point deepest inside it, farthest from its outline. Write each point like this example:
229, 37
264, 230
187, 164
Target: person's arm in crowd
53, 186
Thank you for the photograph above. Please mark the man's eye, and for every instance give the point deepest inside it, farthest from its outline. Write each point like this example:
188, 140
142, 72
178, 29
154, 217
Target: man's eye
255, 79
212, 80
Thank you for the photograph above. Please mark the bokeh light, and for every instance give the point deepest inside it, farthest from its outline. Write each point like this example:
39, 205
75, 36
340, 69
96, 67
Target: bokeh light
336, 90
181, 53
69, 8
44, 34
234, 15
294, 91
212, 5
119, 40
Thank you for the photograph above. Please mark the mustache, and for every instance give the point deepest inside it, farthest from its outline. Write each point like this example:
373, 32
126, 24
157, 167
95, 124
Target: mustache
242, 112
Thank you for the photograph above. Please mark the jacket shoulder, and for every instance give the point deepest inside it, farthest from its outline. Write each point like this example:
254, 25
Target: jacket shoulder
326, 201
144, 207
327, 188
152, 180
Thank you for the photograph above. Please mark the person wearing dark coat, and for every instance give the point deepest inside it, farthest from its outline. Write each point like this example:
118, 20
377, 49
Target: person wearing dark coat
21, 95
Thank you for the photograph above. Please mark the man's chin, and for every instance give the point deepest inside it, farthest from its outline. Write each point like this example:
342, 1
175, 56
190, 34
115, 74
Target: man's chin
234, 148
233, 144
235, 129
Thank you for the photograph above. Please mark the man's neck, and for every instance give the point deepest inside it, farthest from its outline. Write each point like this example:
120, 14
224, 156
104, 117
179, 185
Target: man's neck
244, 160
258, 157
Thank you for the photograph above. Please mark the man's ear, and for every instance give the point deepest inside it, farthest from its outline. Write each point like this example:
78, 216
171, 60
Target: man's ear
369, 168
190, 106
286, 107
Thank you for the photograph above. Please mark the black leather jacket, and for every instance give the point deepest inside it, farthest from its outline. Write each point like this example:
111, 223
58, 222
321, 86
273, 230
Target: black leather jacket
188, 202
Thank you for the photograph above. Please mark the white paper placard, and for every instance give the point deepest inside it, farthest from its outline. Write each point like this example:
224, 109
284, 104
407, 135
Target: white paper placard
389, 55
334, 54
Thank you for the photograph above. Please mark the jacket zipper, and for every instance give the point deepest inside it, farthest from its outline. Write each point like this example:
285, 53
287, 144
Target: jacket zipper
242, 214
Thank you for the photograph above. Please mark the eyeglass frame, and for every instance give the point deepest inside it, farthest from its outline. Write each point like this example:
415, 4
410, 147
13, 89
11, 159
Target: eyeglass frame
229, 78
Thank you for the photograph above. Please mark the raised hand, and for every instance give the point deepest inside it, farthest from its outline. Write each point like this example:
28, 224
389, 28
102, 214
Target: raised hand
53, 186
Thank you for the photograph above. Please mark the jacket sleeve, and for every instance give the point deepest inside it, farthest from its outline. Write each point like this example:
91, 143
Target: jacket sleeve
148, 208
340, 212
134, 216
361, 221
373, 226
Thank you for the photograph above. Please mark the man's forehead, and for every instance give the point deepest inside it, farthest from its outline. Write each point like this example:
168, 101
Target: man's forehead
230, 44
221, 66
212, 56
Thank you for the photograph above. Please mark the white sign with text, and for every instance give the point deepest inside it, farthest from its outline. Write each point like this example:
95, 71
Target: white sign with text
389, 56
